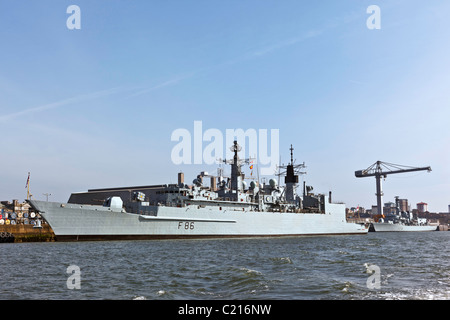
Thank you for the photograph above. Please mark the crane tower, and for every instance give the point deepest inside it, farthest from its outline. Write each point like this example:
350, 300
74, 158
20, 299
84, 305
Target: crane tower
382, 169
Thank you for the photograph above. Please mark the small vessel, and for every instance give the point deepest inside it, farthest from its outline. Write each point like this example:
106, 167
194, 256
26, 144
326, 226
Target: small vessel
390, 226
224, 209
400, 221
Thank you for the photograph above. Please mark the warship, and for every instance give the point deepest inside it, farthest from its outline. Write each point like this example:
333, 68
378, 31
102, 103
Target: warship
227, 208
400, 221
386, 226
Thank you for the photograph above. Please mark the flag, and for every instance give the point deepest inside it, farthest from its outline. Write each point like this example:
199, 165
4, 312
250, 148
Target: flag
28, 180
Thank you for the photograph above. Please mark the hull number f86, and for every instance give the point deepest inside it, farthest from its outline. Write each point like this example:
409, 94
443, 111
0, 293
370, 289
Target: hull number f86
186, 225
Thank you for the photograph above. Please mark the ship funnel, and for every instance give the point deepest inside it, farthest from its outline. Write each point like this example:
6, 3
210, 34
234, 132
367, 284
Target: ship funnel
213, 184
180, 178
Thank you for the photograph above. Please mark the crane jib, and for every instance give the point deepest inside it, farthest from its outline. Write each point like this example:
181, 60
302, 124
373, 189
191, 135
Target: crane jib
382, 169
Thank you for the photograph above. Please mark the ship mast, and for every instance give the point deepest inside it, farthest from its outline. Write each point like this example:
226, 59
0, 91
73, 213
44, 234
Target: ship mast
291, 178
237, 176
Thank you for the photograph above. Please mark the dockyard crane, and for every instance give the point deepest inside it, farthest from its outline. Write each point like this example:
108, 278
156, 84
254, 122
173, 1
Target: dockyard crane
382, 169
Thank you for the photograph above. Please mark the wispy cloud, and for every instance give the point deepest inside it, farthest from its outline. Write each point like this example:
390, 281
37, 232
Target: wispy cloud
61, 103
356, 81
286, 43
247, 56
175, 80
167, 83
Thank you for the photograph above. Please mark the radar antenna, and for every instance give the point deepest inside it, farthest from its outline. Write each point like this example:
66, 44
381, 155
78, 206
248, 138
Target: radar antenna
291, 173
292, 170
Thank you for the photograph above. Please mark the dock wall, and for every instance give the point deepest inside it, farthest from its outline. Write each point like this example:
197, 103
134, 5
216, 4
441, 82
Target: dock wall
27, 232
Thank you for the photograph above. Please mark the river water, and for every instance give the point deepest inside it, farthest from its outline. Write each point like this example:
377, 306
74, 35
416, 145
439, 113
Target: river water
406, 266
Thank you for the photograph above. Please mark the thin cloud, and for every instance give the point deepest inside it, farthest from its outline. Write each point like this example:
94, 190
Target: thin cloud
286, 43
254, 54
61, 103
170, 82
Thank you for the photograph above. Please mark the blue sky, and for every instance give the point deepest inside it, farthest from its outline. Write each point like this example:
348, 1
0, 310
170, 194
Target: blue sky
96, 107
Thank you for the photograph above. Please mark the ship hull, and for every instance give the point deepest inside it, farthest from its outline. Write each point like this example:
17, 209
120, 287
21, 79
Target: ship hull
72, 222
390, 227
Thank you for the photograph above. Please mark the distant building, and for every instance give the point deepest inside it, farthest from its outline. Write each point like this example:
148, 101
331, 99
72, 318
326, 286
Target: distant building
422, 207
357, 210
403, 205
389, 207
374, 210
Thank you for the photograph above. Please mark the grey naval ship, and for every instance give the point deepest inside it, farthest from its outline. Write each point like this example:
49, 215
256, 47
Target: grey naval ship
226, 208
400, 221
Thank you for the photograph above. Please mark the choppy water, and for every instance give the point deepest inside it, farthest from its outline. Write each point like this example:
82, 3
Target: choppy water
411, 266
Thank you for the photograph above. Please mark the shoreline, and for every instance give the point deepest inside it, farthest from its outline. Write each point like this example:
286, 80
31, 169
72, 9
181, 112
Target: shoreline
29, 233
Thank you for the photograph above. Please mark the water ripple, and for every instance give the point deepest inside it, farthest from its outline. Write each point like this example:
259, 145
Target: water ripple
290, 268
